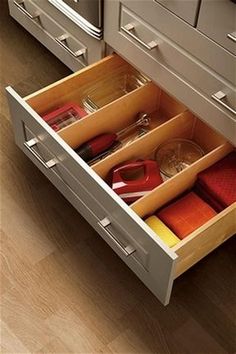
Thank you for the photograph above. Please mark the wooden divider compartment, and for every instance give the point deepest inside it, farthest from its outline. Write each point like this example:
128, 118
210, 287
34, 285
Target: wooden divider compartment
112, 117
123, 112
75, 87
179, 183
184, 125
209, 236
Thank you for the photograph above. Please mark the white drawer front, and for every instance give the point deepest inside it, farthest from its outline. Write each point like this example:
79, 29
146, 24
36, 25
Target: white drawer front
127, 234
187, 10
61, 43
217, 19
166, 64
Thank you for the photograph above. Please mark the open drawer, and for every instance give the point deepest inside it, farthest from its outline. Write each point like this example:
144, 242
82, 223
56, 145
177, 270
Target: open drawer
120, 225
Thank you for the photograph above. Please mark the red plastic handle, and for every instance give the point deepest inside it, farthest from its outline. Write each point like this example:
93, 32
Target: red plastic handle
149, 166
101, 143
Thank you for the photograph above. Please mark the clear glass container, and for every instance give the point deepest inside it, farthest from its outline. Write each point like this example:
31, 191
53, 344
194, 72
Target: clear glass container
111, 88
175, 155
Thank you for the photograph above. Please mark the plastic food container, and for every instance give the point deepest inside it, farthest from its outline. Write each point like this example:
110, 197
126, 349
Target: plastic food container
64, 115
112, 88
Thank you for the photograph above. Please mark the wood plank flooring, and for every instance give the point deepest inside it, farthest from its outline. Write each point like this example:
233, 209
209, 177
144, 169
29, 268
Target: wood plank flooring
63, 290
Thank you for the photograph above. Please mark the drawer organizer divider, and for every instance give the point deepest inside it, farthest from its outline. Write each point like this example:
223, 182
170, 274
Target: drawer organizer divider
123, 112
112, 117
177, 184
73, 87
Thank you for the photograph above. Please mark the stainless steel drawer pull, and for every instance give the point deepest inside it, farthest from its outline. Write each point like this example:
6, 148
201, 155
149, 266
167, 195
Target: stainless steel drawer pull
126, 250
29, 145
21, 7
218, 97
232, 36
130, 27
62, 40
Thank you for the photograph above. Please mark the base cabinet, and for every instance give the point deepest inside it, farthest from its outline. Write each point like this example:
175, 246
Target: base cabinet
70, 44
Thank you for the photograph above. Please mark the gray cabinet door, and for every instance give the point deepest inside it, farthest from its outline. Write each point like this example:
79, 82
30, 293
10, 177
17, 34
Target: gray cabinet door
186, 9
217, 19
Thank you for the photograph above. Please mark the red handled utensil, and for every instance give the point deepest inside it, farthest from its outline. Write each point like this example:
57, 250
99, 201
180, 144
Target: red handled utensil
135, 186
102, 142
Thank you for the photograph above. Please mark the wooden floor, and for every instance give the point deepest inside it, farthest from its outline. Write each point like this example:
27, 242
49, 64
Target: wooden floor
63, 290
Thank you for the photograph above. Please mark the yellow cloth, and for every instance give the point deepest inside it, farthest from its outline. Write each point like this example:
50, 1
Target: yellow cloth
162, 231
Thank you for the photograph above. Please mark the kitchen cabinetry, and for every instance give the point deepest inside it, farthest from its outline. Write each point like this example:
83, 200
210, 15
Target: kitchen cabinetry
179, 95
217, 20
60, 35
136, 33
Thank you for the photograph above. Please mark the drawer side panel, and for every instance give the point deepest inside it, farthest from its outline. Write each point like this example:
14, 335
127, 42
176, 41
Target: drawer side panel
205, 239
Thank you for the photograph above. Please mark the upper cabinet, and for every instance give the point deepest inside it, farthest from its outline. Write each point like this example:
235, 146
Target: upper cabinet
187, 10
217, 20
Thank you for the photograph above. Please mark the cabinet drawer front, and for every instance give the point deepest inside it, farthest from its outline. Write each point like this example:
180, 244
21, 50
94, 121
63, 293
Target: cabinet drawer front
166, 53
187, 10
178, 73
61, 43
181, 33
95, 47
129, 236
217, 19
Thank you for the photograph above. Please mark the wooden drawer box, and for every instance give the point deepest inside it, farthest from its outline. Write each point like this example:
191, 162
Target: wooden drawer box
120, 225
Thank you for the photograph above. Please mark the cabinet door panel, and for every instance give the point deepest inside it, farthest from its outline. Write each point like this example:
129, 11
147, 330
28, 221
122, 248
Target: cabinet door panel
187, 10
217, 19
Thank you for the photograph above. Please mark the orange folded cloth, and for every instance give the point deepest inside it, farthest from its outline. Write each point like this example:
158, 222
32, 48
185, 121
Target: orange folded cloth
186, 214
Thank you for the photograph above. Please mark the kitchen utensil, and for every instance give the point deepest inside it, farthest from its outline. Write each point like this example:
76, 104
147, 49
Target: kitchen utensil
102, 142
132, 180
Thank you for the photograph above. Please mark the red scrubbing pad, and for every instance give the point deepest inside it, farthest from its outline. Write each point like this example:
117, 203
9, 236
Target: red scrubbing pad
218, 182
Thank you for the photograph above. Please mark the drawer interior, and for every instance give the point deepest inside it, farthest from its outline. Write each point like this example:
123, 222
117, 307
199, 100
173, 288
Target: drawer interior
75, 88
177, 184
169, 119
183, 125
123, 112
207, 237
